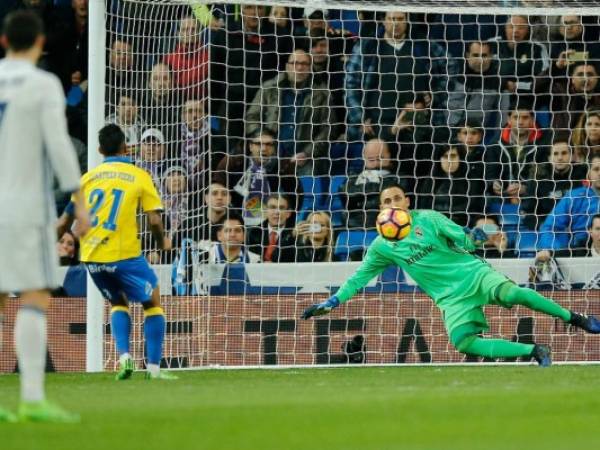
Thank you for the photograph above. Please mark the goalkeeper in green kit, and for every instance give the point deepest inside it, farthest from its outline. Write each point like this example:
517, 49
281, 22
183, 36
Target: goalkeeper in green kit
436, 254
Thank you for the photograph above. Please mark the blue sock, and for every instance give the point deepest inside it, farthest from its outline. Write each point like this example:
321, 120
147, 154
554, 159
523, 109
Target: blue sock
120, 323
154, 332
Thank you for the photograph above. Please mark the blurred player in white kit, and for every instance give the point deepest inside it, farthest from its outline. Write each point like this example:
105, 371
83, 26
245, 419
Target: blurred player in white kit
34, 148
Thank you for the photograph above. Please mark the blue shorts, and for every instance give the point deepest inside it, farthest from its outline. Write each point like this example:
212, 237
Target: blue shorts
132, 278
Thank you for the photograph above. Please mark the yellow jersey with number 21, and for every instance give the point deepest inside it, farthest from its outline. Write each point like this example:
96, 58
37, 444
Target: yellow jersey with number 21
114, 191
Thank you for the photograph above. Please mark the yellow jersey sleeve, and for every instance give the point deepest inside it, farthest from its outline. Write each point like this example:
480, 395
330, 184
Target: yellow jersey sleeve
150, 199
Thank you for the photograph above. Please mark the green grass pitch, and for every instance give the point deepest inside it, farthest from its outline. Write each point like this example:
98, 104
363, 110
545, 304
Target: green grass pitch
439, 408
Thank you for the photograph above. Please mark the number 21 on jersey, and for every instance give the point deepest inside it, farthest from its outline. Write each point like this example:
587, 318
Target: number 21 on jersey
97, 199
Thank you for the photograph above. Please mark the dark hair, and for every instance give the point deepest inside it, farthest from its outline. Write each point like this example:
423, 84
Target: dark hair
522, 103
481, 43
562, 137
471, 122
397, 186
231, 216
112, 140
279, 195
577, 64
458, 146
21, 29
594, 217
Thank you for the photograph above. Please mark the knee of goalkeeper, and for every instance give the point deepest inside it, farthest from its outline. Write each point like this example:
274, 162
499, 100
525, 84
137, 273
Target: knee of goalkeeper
321, 309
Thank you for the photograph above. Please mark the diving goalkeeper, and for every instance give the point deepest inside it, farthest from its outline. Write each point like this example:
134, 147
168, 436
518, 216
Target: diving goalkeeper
436, 254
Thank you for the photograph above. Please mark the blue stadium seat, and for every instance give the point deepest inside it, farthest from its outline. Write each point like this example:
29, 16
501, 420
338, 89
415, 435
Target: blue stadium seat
508, 214
312, 195
349, 241
332, 200
355, 158
526, 244
337, 155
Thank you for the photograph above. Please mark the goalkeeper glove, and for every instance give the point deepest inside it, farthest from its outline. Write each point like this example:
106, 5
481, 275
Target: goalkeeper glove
477, 235
321, 309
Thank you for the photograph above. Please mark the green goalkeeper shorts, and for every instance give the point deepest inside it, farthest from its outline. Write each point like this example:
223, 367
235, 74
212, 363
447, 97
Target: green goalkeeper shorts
466, 318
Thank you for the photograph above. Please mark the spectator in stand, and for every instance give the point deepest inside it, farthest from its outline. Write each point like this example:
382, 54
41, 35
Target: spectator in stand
571, 45
470, 134
301, 109
413, 133
65, 49
315, 23
152, 153
574, 95
382, 76
362, 190
279, 18
67, 43
566, 226
230, 249
176, 198
522, 60
497, 244
254, 176
592, 248
201, 224
160, 106
67, 248
328, 69
586, 135
448, 190
127, 118
189, 59
521, 145
273, 239
477, 90
244, 57
194, 141
176, 201
549, 182
120, 70
314, 238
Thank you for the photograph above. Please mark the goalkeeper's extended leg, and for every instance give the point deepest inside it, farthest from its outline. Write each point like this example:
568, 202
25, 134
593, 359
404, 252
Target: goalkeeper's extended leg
512, 294
500, 348
154, 332
120, 324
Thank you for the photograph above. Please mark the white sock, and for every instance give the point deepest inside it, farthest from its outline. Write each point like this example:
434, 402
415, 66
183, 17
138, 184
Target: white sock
30, 341
153, 369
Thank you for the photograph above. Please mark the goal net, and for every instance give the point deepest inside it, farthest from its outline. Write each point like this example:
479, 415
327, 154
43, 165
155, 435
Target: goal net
271, 127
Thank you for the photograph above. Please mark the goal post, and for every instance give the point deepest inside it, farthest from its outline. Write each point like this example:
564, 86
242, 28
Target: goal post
96, 98
200, 90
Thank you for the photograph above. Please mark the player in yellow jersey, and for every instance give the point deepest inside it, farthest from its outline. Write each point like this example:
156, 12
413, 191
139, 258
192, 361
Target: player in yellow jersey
111, 250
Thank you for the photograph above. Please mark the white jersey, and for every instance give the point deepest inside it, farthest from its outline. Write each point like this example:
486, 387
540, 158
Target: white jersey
35, 146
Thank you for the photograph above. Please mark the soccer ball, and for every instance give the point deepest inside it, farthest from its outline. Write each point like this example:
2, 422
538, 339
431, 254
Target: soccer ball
393, 224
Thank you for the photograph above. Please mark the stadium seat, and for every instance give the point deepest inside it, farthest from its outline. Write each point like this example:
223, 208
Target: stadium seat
350, 241
332, 200
508, 214
312, 195
337, 155
355, 158
526, 244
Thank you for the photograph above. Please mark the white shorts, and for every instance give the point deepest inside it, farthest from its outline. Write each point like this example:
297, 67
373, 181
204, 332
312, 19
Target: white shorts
28, 258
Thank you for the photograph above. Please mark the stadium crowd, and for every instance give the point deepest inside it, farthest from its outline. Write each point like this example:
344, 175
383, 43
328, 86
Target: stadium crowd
271, 132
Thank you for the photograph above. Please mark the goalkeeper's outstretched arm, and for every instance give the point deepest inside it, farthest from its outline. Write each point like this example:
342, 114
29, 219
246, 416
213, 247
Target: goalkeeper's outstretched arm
372, 266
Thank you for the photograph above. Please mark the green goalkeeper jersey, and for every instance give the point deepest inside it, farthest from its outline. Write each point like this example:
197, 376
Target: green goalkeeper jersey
436, 255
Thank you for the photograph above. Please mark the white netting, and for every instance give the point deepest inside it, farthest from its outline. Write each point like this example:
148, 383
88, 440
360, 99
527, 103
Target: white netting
294, 118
